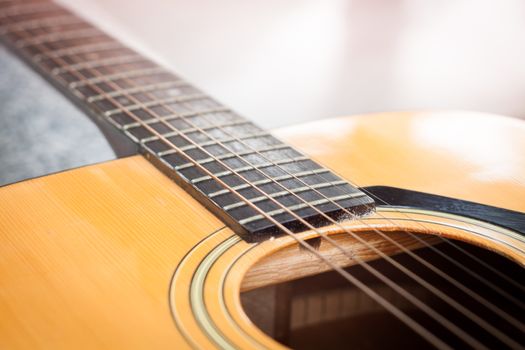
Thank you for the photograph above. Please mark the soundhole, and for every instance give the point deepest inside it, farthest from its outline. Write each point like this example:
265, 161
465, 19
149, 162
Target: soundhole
476, 298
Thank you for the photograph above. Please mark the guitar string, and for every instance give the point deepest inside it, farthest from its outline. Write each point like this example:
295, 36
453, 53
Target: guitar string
174, 129
497, 272
445, 298
305, 245
391, 308
479, 298
457, 264
468, 291
426, 334
436, 250
497, 310
489, 267
389, 282
79, 21
456, 305
218, 126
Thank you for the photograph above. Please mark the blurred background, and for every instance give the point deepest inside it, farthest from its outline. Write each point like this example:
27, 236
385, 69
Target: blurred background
284, 62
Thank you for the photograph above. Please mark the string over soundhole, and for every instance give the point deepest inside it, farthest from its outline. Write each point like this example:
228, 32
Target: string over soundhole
293, 302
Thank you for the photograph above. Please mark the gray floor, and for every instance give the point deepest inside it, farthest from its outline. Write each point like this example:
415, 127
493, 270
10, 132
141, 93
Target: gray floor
40, 131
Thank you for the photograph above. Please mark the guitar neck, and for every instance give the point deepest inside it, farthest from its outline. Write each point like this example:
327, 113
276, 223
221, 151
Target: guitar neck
237, 169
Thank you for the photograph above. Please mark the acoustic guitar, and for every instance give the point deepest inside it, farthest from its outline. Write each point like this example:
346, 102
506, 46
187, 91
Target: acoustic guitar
379, 231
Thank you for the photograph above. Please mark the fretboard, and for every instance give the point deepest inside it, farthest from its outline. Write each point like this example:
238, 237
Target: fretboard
239, 171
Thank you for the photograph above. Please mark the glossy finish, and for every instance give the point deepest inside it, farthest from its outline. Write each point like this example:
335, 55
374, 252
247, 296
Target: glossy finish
471, 156
115, 255
87, 255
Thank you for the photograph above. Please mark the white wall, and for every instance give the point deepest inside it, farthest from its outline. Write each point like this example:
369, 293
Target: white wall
282, 62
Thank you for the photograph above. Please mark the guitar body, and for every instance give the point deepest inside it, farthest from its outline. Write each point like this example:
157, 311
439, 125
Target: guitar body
116, 255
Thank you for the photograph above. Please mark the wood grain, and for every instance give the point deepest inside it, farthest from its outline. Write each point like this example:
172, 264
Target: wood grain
87, 256
293, 263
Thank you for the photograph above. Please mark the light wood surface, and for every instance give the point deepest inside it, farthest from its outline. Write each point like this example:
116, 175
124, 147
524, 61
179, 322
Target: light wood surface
115, 255
87, 255
292, 263
472, 156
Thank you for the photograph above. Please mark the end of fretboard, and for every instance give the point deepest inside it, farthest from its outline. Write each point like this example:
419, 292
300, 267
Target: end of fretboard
327, 214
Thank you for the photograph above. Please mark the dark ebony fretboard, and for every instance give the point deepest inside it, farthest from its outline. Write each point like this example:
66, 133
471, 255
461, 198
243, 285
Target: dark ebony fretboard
225, 161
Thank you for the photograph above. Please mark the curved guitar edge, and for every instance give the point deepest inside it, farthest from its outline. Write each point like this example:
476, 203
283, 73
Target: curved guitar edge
217, 320
398, 197
471, 156
87, 255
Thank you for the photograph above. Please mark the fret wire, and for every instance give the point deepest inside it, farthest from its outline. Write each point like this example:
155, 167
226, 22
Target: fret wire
111, 77
210, 159
284, 193
132, 58
450, 326
160, 136
238, 155
171, 117
32, 16
189, 140
150, 129
91, 83
300, 206
394, 310
407, 320
499, 311
277, 178
385, 236
88, 82
203, 144
54, 37
190, 130
368, 267
353, 215
247, 167
458, 307
276, 194
90, 47
41, 23
350, 278
292, 190
145, 105
15, 11
157, 102
150, 87
45, 51
218, 142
